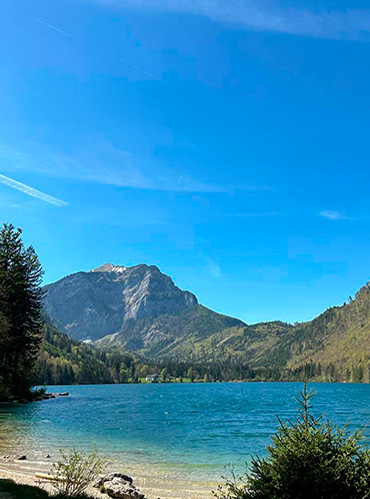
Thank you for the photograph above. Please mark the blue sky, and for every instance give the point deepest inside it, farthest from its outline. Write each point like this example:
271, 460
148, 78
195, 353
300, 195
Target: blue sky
225, 142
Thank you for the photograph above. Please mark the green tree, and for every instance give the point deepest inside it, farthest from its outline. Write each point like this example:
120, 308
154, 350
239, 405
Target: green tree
20, 311
4, 343
308, 458
191, 374
164, 374
123, 375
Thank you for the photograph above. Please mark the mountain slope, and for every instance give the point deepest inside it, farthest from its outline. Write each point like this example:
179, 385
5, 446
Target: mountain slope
163, 336
141, 310
334, 345
64, 361
137, 308
90, 305
340, 335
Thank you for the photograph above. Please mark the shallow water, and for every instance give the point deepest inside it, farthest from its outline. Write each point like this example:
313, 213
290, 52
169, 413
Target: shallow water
177, 437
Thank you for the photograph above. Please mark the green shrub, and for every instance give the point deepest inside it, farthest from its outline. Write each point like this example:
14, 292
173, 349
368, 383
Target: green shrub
76, 472
309, 458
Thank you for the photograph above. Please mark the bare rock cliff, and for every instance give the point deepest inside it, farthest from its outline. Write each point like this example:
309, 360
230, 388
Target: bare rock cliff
91, 305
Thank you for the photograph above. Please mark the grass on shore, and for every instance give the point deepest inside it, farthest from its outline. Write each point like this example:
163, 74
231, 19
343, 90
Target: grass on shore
13, 490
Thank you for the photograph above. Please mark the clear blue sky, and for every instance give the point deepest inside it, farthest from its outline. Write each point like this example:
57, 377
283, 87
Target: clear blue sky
225, 142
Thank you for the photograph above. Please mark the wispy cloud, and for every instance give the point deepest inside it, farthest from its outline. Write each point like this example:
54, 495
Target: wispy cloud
97, 49
30, 191
263, 15
255, 214
334, 215
105, 164
213, 268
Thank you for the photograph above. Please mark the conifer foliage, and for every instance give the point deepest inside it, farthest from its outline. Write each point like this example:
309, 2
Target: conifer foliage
309, 458
20, 312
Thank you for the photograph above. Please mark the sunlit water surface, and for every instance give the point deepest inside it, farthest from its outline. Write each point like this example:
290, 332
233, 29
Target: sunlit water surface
175, 438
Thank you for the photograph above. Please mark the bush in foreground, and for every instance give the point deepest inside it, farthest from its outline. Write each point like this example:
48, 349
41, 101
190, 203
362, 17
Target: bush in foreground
13, 490
76, 472
309, 459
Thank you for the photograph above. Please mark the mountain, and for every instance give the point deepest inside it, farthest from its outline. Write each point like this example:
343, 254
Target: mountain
141, 310
336, 341
90, 305
339, 336
138, 308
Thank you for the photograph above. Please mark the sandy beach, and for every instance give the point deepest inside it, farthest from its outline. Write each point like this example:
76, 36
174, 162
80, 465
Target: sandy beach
23, 472
27, 479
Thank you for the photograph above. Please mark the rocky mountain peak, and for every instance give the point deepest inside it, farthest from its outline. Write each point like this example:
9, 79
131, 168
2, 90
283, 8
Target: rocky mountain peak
110, 267
90, 305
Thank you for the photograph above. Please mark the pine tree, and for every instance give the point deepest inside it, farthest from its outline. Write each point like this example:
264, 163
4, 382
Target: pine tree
309, 458
20, 311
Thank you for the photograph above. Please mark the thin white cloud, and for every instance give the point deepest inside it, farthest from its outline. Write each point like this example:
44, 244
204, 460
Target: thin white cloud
105, 164
30, 191
97, 49
213, 268
255, 214
263, 15
333, 215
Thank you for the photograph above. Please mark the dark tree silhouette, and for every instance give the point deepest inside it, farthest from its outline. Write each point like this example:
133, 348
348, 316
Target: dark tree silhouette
20, 311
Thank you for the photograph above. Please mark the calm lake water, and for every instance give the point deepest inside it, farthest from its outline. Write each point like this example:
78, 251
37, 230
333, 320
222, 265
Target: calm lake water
179, 433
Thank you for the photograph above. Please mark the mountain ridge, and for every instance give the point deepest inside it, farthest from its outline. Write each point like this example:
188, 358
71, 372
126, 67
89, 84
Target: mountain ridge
90, 305
152, 317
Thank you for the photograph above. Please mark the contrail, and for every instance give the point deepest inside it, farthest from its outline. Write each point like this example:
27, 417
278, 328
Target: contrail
102, 51
57, 29
179, 181
30, 191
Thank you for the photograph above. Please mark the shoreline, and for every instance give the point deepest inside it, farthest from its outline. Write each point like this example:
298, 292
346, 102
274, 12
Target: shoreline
37, 395
23, 478
23, 472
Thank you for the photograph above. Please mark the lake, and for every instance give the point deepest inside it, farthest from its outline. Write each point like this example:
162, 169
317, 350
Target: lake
175, 438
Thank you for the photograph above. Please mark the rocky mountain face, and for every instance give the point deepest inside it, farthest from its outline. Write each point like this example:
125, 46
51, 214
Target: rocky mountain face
140, 309
90, 305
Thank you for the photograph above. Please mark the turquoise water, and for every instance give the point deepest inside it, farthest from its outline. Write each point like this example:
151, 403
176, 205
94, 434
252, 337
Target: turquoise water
192, 429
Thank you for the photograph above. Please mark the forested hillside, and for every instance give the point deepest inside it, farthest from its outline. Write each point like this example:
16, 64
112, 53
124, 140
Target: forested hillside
66, 361
338, 341
157, 324
332, 347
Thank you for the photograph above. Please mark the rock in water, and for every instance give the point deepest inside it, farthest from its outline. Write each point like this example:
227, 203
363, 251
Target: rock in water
22, 457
